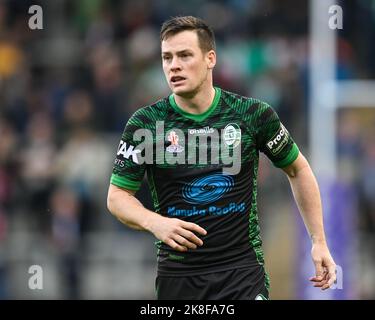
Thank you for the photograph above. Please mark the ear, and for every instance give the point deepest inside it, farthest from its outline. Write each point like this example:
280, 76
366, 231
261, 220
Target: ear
211, 59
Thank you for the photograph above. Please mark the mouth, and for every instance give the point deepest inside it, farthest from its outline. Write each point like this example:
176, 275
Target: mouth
177, 79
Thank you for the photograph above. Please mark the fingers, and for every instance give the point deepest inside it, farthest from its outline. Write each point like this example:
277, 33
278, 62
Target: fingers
174, 245
191, 237
327, 279
331, 276
181, 235
318, 278
324, 284
319, 271
184, 242
193, 227
321, 281
325, 268
187, 238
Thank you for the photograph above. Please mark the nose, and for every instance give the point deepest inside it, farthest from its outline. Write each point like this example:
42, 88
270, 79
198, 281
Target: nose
175, 65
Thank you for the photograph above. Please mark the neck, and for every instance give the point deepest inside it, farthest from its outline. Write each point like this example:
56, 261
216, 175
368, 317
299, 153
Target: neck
197, 103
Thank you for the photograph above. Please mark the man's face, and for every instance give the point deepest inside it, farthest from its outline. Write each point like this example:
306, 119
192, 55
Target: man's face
185, 66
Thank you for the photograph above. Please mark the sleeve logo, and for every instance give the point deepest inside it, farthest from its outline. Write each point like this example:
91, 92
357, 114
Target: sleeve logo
278, 141
128, 152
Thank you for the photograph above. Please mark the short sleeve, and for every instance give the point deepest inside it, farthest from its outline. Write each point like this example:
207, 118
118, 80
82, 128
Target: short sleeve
129, 169
273, 139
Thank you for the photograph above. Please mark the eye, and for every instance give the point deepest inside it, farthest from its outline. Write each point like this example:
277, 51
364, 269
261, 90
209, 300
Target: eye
166, 58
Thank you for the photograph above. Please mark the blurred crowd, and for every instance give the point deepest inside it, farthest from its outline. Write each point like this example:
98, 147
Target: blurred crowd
67, 91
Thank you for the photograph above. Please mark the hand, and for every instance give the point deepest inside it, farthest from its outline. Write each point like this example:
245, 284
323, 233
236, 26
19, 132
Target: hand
325, 267
176, 233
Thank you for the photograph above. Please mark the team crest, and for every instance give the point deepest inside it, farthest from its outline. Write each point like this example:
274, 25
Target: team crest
232, 134
174, 147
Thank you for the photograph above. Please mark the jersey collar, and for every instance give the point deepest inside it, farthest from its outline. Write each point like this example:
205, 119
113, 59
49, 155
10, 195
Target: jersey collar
201, 116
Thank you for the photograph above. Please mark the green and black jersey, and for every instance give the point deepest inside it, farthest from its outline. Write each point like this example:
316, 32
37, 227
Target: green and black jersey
185, 157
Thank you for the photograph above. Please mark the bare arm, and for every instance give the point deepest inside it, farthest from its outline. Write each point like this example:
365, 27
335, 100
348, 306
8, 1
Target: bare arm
176, 233
307, 196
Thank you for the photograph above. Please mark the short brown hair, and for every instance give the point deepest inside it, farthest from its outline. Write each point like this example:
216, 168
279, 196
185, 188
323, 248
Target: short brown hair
178, 24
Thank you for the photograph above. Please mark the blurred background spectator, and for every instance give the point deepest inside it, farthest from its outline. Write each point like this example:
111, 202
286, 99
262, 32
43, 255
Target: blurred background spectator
67, 91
